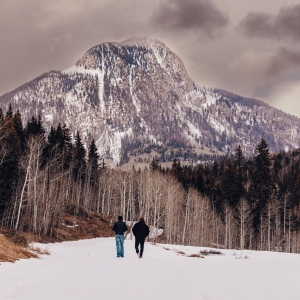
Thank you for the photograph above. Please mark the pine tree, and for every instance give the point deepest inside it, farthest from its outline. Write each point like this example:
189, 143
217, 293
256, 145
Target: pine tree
177, 169
200, 180
9, 165
93, 158
154, 165
18, 125
239, 176
9, 113
1, 116
261, 177
215, 169
262, 182
79, 159
52, 139
228, 183
34, 127
66, 146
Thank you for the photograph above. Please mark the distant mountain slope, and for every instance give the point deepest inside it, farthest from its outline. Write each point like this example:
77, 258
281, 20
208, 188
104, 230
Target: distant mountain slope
137, 93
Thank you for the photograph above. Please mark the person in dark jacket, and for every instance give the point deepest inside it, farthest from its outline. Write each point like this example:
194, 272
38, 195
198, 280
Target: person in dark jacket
119, 228
140, 231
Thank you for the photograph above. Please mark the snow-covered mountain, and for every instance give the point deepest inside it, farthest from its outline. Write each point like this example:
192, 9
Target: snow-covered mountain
137, 94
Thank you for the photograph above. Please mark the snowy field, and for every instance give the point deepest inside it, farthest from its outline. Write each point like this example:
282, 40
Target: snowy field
89, 270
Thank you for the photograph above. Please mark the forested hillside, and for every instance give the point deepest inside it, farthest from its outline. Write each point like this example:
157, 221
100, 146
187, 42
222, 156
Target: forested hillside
232, 203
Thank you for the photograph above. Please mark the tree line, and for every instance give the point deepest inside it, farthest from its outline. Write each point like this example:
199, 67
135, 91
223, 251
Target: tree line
256, 199
233, 203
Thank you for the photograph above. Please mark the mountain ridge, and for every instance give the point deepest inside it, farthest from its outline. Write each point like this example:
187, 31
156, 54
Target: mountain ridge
138, 93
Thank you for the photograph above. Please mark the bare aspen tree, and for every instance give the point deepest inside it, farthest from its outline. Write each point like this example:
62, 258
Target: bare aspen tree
30, 164
4, 148
174, 196
245, 221
228, 220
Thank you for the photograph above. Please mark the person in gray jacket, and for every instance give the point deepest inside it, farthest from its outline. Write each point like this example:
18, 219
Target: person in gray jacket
119, 228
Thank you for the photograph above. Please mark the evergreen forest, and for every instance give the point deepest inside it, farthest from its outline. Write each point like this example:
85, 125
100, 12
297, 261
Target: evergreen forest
235, 202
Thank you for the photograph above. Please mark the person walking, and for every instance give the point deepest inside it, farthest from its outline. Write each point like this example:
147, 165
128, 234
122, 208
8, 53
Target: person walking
119, 228
140, 231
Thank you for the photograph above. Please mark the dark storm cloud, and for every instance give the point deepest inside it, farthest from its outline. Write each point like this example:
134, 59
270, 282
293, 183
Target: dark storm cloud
38, 36
283, 60
201, 15
284, 25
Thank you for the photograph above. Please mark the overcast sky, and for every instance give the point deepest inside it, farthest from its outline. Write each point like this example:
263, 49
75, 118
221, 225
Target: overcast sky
248, 47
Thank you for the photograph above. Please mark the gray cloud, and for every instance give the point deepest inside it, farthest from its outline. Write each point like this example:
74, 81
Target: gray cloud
284, 25
39, 36
283, 60
201, 15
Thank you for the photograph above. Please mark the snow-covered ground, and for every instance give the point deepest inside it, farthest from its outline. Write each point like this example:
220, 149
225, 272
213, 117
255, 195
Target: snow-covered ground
89, 270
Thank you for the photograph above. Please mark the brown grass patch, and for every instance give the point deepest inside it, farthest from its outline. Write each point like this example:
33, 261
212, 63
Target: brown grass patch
180, 252
10, 252
77, 226
17, 237
73, 225
195, 255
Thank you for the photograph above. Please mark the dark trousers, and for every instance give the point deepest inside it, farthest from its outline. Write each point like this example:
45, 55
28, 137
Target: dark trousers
141, 243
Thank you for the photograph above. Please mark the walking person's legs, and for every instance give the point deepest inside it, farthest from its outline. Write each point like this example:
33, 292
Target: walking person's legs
122, 245
136, 246
142, 242
118, 244
139, 243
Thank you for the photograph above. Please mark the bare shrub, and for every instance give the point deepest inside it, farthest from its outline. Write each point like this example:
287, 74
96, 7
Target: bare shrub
239, 256
40, 251
210, 252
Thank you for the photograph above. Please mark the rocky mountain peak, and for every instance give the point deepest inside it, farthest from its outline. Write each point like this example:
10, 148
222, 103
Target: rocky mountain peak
141, 52
135, 96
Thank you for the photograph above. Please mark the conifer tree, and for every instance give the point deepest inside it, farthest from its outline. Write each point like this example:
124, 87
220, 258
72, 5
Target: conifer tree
79, 159
18, 125
9, 113
215, 169
1, 116
177, 169
200, 180
154, 165
34, 127
59, 145
239, 176
228, 183
66, 146
9, 165
261, 177
93, 158
262, 184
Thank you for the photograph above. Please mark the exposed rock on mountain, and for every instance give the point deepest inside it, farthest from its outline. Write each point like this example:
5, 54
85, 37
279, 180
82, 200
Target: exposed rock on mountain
135, 93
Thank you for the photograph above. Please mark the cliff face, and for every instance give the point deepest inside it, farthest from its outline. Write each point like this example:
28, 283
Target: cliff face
137, 92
